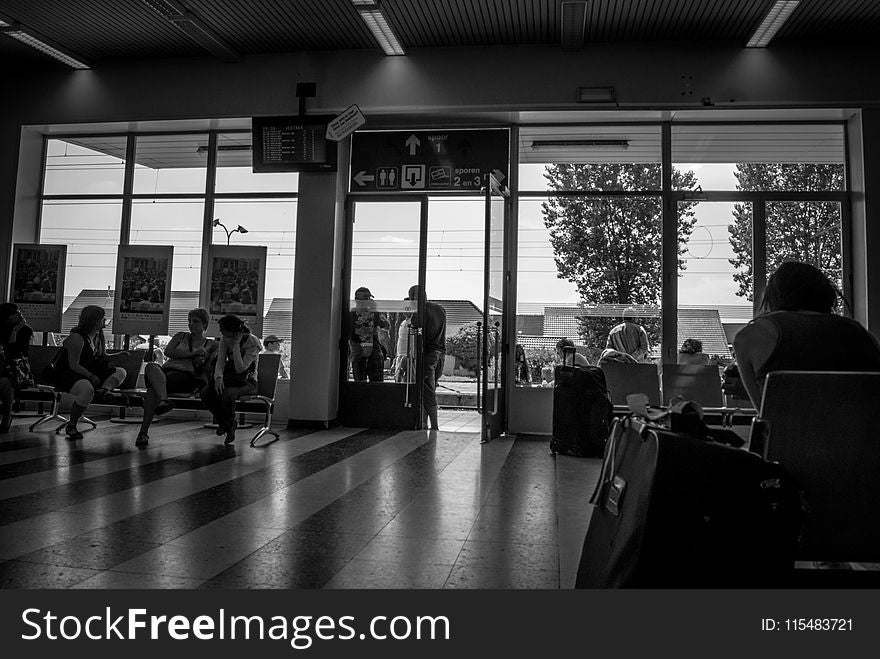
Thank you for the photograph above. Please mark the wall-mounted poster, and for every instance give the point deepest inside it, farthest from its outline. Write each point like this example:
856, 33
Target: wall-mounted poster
38, 284
237, 279
143, 289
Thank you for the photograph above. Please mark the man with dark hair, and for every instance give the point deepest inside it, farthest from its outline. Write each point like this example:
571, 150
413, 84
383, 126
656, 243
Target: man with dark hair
434, 350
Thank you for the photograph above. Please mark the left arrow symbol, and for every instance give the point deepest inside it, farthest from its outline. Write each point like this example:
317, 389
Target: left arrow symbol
362, 178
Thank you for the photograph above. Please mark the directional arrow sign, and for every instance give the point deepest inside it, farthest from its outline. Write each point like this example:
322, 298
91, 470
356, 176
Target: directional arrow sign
361, 178
345, 124
413, 143
435, 160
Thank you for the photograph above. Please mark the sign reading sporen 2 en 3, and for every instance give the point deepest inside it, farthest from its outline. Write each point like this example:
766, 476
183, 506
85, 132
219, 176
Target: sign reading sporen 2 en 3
428, 160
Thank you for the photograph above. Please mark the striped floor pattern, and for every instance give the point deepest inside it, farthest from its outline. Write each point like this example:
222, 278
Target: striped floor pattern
339, 508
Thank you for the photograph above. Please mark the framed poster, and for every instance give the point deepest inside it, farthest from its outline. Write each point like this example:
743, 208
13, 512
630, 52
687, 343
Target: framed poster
38, 284
236, 282
143, 289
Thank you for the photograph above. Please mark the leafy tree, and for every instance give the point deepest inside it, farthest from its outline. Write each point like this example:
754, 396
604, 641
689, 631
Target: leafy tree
463, 344
796, 230
611, 247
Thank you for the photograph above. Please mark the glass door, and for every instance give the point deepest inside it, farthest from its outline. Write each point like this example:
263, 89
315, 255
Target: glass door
493, 363
379, 378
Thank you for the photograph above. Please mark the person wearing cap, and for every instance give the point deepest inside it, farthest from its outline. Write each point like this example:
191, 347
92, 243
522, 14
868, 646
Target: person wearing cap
628, 337
272, 344
367, 351
433, 350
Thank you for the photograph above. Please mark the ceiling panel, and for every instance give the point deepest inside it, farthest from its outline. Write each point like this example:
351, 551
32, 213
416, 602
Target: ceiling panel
104, 30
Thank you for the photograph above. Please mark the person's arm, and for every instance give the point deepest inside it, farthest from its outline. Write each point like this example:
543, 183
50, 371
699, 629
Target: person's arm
753, 345
74, 346
251, 353
177, 347
644, 346
221, 360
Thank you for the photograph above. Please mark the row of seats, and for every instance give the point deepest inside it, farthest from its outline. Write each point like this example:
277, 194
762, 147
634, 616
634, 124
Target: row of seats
701, 384
263, 402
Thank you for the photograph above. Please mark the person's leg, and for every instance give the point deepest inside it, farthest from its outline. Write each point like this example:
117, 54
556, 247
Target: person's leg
104, 394
83, 392
429, 387
227, 402
154, 378
176, 381
7, 398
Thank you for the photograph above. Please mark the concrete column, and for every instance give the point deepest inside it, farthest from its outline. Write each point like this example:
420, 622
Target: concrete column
864, 148
317, 296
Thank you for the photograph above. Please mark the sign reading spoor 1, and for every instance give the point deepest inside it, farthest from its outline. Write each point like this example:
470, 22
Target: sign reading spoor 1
429, 160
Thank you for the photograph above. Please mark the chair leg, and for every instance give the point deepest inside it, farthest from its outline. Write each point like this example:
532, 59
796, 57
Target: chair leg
51, 416
266, 429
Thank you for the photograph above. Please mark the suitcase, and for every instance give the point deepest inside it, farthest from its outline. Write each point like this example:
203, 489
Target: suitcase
676, 511
581, 410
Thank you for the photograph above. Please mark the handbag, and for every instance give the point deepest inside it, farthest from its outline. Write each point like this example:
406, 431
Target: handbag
20, 372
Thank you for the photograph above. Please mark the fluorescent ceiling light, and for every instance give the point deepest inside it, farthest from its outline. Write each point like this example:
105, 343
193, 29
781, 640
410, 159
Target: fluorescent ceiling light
194, 27
568, 144
375, 20
41, 43
774, 20
574, 22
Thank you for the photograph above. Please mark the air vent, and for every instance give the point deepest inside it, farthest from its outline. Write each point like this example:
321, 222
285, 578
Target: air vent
574, 22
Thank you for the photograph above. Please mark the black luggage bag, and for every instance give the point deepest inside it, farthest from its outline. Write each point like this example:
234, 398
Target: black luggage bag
676, 511
581, 410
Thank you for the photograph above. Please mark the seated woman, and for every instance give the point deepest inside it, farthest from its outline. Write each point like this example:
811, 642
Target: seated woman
691, 352
797, 331
15, 340
234, 373
184, 373
85, 371
562, 344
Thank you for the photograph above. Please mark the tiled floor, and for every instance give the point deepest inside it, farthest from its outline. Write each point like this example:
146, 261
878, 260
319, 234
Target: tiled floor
340, 508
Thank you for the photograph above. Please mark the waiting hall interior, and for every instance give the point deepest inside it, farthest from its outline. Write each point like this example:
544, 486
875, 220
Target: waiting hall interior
418, 214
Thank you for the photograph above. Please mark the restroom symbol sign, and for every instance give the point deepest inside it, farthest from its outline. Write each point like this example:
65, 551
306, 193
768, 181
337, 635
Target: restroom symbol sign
440, 177
387, 179
412, 177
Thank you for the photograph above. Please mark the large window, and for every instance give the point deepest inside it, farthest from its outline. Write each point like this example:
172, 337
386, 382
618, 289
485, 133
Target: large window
591, 225
85, 206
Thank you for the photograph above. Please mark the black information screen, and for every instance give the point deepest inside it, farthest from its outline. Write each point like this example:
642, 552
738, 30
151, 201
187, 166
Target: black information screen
292, 144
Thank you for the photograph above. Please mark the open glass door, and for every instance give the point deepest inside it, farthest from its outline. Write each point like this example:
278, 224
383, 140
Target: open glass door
493, 362
378, 369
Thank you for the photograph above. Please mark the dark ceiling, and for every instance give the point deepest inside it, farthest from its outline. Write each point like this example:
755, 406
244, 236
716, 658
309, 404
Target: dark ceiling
107, 30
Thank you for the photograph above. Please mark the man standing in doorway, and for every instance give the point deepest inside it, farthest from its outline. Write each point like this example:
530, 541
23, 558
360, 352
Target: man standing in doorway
434, 346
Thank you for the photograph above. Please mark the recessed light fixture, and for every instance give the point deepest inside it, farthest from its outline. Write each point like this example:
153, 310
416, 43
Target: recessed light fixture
774, 20
37, 41
372, 16
570, 144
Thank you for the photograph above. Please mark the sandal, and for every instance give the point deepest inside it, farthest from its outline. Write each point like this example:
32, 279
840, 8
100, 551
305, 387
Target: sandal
230, 434
164, 406
142, 439
71, 432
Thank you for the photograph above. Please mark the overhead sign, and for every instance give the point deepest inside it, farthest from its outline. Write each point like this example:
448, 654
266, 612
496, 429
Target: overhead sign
429, 160
345, 124
292, 144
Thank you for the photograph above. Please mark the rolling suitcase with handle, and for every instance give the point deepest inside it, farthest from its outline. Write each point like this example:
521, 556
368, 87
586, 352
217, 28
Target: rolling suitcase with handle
581, 409
675, 511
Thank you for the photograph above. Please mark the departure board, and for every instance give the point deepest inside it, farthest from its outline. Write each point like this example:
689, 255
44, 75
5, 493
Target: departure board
292, 144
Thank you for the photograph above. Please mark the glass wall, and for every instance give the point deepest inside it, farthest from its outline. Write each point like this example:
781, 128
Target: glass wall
85, 206
590, 227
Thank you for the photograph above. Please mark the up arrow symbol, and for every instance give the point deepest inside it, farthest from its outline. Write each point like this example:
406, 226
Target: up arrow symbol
413, 143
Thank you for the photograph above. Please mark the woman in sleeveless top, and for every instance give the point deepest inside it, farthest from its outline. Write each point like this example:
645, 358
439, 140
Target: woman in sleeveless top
234, 373
184, 373
797, 331
84, 370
